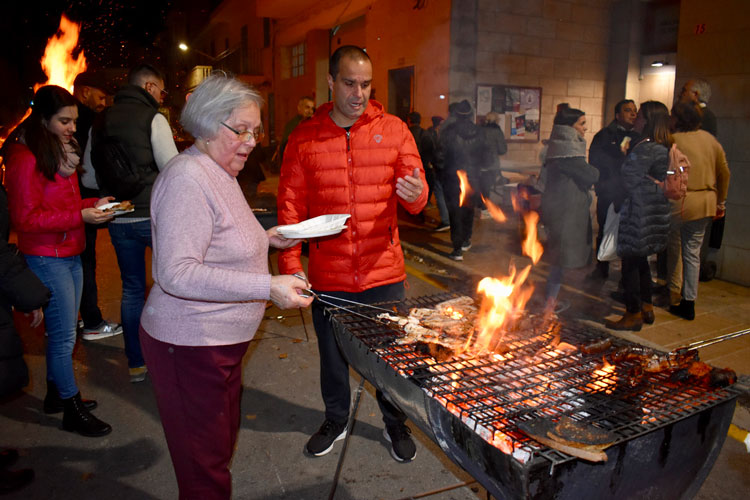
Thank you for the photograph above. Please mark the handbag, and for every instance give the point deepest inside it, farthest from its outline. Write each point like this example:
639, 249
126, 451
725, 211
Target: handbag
608, 246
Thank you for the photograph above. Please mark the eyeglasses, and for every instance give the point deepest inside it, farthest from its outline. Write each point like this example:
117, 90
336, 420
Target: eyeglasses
163, 92
245, 136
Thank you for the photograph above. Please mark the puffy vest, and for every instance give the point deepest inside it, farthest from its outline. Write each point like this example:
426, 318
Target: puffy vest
129, 119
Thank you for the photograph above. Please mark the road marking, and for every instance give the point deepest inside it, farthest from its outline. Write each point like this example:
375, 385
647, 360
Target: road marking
424, 277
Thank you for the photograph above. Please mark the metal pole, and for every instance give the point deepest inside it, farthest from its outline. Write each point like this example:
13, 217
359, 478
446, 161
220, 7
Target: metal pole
350, 427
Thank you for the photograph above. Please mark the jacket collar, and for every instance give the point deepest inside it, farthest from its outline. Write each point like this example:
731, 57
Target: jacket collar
373, 110
135, 93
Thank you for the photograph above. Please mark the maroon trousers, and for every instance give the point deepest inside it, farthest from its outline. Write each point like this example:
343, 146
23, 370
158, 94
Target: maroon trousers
198, 395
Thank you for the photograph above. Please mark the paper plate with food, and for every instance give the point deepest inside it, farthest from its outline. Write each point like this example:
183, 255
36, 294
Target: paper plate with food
117, 208
323, 225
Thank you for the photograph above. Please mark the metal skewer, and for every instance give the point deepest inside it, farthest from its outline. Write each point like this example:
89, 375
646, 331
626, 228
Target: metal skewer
705, 343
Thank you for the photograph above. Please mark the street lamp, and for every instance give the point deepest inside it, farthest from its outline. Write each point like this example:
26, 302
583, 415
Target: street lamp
184, 47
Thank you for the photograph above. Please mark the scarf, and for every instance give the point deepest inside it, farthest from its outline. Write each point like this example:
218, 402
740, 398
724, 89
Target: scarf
565, 142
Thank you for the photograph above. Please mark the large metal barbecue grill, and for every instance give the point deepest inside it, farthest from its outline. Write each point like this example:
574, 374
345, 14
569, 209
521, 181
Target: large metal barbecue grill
668, 434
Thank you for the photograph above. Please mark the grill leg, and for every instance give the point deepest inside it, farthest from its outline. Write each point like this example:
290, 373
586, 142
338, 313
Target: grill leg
350, 428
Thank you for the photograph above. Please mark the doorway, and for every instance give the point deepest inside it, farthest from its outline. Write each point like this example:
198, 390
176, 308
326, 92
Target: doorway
400, 91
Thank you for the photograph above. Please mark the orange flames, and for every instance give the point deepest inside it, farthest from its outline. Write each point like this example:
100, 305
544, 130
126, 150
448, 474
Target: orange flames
531, 246
58, 62
465, 187
495, 211
503, 302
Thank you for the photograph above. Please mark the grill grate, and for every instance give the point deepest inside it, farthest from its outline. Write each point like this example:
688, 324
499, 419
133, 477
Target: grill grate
493, 393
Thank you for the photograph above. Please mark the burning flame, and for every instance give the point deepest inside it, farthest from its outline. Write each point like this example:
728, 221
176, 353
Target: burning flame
58, 62
531, 246
465, 187
504, 301
495, 211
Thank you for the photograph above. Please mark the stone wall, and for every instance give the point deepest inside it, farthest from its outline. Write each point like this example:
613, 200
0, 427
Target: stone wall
713, 45
560, 46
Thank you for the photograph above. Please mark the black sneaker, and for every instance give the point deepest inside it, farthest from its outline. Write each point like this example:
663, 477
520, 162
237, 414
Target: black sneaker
442, 227
402, 446
322, 441
456, 255
466, 245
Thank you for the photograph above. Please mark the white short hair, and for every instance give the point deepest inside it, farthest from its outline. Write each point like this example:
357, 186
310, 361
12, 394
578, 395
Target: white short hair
214, 101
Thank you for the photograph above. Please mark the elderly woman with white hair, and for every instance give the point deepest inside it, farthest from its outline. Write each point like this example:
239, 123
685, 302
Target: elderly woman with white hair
211, 284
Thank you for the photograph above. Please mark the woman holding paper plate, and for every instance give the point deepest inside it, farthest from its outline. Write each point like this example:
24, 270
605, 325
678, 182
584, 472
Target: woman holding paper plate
211, 285
46, 210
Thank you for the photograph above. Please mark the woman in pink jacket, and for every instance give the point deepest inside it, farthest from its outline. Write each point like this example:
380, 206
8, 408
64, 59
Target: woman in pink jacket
42, 160
211, 285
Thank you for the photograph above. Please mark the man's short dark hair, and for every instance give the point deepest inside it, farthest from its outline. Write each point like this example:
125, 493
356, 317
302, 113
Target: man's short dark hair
351, 51
619, 105
143, 72
415, 118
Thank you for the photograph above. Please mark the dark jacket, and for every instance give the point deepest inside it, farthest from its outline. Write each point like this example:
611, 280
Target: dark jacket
708, 123
496, 145
129, 119
644, 216
20, 288
605, 154
425, 145
566, 203
463, 146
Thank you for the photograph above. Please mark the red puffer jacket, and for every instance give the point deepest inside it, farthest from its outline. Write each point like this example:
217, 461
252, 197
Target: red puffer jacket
326, 172
46, 214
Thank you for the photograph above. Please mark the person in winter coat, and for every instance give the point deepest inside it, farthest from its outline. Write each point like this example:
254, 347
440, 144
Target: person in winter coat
708, 185
644, 215
48, 214
490, 174
463, 147
351, 157
607, 154
566, 199
19, 288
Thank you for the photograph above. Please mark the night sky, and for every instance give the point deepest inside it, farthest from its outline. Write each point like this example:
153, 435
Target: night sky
114, 34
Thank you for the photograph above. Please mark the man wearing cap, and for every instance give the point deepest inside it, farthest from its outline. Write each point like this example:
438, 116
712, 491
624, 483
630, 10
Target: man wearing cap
351, 157
89, 88
463, 147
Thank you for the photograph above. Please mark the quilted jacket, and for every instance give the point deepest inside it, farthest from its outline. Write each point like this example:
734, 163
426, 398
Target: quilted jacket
327, 170
644, 216
45, 214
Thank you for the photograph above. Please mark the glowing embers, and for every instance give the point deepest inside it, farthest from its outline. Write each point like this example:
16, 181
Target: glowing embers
604, 378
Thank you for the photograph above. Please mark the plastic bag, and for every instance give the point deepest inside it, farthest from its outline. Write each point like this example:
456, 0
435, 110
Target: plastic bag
608, 247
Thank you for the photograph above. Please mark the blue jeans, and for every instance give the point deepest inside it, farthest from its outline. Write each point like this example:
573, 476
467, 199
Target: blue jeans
130, 241
64, 278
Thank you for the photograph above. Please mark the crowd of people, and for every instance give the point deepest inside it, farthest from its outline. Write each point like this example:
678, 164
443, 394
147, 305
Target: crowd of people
210, 257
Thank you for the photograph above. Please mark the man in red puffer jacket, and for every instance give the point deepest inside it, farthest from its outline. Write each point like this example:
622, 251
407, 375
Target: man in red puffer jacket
351, 158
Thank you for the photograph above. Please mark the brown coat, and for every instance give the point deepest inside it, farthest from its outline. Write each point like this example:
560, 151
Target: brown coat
708, 180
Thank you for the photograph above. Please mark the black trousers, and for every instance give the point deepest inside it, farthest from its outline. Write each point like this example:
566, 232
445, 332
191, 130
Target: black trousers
334, 370
461, 217
636, 279
90, 312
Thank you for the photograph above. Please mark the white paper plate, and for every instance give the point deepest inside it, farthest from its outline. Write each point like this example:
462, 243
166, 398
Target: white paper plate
311, 234
117, 212
323, 225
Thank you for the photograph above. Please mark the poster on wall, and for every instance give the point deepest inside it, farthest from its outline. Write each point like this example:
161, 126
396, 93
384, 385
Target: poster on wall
519, 109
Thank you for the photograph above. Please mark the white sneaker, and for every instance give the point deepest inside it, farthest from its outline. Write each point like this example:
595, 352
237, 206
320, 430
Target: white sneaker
106, 329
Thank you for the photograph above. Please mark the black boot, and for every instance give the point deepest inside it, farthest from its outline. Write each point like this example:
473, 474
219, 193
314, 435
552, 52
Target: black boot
54, 404
13, 480
77, 418
685, 310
